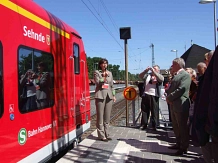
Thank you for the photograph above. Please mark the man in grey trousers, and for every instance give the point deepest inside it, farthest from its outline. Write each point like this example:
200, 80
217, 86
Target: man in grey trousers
178, 98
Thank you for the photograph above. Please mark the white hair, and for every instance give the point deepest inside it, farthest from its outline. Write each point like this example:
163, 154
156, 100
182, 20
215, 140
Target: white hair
210, 54
192, 71
194, 74
180, 62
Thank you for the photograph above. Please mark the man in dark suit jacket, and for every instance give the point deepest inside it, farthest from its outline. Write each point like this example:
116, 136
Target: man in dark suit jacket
206, 111
178, 97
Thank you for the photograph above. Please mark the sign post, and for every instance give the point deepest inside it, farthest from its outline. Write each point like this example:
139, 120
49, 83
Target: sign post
130, 93
125, 34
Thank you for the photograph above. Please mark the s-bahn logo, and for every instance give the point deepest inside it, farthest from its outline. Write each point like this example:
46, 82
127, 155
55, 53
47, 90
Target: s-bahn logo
22, 136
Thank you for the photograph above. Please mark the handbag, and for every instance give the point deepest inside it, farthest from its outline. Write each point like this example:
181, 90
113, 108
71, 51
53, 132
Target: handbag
141, 89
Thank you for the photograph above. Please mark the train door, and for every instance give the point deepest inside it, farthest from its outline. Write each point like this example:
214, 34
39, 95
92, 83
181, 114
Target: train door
79, 71
83, 85
1, 80
72, 95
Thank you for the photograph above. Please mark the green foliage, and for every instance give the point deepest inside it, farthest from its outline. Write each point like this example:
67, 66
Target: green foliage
92, 65
115, 69
29, 59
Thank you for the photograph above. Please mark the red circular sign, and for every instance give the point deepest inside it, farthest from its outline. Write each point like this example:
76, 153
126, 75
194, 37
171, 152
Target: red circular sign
129, 93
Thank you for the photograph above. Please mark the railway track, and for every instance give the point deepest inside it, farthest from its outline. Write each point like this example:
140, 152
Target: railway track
118, 111
92, 97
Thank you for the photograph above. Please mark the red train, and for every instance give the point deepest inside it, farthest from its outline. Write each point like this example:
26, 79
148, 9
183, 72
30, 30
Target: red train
44, 96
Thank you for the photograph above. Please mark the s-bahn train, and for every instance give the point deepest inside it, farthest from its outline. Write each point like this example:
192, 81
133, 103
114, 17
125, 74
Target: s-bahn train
44, 90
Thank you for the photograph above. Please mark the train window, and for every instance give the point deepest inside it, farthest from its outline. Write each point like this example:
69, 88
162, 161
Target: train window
36, 80
76, 58
1, 81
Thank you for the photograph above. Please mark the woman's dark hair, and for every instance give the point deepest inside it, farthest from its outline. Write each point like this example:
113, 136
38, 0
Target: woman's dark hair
102, 61
42, 64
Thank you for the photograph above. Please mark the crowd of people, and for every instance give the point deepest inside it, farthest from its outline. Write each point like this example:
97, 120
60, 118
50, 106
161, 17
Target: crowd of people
35, 89
192, 100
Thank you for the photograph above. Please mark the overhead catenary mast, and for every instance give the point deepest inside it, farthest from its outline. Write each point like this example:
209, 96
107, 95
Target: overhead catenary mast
152, 46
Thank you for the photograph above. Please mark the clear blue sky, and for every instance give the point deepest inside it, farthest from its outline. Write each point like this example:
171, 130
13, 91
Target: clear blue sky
168, 24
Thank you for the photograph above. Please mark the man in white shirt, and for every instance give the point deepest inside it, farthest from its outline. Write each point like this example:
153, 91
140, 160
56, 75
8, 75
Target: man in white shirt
150, 98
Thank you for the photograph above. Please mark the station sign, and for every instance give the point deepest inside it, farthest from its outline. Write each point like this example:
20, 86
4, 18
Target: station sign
129, 93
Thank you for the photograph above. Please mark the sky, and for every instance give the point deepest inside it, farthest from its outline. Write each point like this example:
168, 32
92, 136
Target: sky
167, 24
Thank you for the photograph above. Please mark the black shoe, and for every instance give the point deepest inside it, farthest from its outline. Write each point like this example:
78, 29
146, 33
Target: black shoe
109, 139
143, 128
105, 140
180, 152
174, 147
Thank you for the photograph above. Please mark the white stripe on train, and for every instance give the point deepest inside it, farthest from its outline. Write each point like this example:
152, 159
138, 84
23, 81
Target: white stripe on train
55, 145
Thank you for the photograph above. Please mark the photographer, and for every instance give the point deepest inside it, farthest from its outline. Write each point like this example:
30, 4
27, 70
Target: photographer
29, 90
150, 98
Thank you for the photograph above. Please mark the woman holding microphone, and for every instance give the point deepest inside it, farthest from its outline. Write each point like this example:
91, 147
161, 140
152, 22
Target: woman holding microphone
104, 98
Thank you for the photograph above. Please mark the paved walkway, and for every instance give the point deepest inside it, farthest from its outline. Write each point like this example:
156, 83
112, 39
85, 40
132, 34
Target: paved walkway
131, 145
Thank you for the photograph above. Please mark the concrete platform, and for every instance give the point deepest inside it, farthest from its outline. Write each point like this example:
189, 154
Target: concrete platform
131, 145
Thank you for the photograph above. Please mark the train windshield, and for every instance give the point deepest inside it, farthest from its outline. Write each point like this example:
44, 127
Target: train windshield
36, 80
1, 80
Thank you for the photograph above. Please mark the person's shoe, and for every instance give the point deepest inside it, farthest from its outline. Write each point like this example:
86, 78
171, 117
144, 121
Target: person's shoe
109, 138
105, 140
174, 147
143, 128
180, 152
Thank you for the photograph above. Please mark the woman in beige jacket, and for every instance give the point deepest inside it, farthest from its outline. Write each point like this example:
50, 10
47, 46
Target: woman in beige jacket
104, 98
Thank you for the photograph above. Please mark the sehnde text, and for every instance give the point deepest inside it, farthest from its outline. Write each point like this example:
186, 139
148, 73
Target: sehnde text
31, 34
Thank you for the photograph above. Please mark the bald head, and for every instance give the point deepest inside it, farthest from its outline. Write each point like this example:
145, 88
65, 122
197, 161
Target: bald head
201, 68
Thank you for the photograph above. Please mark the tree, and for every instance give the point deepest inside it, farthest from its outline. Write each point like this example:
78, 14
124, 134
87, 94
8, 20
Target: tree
117, 74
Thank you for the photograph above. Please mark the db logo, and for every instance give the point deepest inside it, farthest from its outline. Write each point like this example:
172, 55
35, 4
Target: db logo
48, 40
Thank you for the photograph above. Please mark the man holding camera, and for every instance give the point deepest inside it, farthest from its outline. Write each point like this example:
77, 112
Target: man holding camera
151, 94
